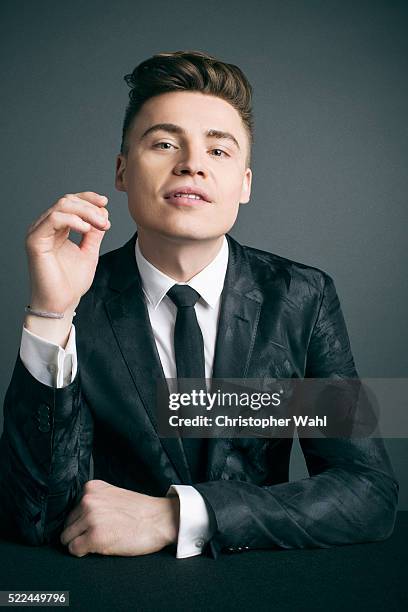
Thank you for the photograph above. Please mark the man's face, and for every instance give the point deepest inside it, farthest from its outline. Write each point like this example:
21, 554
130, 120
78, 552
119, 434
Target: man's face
182, 140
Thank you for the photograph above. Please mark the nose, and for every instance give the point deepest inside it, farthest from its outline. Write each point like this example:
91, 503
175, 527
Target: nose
190, 163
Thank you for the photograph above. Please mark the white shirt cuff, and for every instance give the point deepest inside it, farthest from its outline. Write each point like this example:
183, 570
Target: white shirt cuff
194, 528
47, 362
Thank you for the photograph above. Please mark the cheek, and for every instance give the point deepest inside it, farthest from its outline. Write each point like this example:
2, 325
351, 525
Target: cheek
140, 182
230, 180
231, 193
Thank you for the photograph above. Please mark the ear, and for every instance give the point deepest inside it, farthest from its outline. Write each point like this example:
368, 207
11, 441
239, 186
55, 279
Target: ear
120, 175
246, 187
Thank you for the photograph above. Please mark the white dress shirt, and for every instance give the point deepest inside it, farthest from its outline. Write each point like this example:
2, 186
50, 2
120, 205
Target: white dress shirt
54, 366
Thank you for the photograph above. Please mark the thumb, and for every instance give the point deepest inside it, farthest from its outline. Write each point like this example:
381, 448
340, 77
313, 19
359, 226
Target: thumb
91, 241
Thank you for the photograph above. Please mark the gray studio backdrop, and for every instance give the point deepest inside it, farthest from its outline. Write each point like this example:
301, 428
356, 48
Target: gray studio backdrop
330, 180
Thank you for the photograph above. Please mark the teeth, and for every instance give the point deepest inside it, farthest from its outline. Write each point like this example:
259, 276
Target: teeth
191, 196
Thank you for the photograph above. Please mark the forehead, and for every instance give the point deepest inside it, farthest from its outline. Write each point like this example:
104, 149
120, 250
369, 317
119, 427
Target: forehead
191, 110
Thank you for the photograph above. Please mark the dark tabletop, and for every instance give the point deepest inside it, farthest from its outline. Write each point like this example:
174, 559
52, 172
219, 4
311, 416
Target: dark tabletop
360, 577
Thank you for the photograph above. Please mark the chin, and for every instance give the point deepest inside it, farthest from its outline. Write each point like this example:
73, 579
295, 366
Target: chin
185, 231
186, 235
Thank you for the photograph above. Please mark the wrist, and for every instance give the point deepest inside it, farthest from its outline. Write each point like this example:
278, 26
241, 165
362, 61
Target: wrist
171, 519
66, 309
53, 330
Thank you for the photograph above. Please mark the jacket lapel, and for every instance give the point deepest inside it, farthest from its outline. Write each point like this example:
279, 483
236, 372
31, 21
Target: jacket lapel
241, 303
129, 318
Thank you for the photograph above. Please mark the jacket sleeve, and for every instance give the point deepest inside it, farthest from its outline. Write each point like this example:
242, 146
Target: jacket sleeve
45, 453
351, 493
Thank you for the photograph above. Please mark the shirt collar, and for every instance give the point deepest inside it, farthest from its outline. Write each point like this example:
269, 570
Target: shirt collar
209, 282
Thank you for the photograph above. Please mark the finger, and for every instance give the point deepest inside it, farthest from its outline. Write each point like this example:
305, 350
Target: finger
58, 220
72, 217
91, 241
96, 483
79, 547
91, 196
95, 215
74, 515
38, 221
74, 530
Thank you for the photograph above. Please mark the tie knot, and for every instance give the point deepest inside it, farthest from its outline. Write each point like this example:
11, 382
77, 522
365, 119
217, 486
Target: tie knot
183, 296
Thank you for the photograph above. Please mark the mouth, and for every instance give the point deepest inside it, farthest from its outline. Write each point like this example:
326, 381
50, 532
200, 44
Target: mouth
185, 200
187, 196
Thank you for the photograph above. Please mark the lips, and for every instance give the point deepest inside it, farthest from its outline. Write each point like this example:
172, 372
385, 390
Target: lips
187, 194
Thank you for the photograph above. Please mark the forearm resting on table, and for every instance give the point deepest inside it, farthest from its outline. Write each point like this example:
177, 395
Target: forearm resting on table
55, 366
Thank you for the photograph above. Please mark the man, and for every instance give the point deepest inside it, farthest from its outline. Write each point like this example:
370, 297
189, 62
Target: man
181, 298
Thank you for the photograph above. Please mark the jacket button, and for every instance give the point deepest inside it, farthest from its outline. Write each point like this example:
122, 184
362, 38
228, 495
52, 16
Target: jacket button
43, 411
44, 427
43, 418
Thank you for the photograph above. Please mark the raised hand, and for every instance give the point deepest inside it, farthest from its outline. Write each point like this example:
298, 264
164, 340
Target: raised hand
60, 270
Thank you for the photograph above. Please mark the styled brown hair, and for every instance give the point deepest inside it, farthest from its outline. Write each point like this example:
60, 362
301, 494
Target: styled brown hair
188, 71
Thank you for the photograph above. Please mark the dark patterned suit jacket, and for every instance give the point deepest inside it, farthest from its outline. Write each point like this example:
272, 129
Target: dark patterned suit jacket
278, 318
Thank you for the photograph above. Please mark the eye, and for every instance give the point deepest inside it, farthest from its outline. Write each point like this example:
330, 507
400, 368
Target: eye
163, 145
220, 151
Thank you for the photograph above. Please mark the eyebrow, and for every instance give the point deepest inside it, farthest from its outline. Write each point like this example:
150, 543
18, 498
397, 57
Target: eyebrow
176, 129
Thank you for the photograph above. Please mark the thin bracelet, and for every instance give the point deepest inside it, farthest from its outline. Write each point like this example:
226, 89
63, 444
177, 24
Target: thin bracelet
44, 313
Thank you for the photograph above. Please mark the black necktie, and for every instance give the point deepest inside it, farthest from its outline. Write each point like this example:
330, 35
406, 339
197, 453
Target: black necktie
189, 351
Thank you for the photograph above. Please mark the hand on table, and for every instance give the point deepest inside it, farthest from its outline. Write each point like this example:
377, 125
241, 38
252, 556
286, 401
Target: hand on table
113, 521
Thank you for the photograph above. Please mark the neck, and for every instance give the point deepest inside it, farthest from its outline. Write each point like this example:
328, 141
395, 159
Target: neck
178, 258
